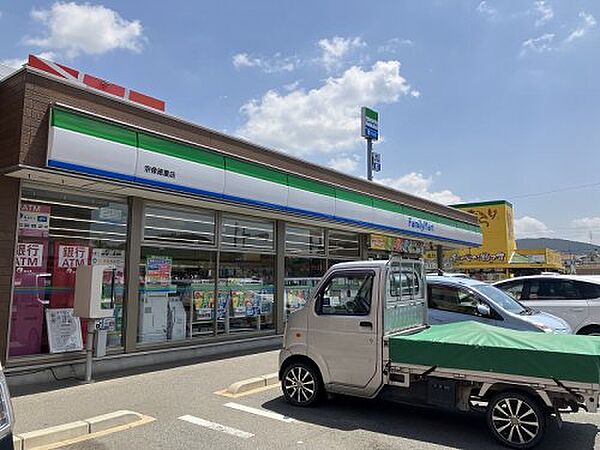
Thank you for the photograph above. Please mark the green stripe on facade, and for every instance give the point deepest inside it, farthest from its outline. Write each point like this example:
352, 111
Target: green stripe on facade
353, 197
181, 151
124, 135
388, 206
255, 170
306, 184
92, 127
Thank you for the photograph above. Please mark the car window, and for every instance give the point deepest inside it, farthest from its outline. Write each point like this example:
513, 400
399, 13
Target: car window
549, 289
500, 298
347, 295
450, 298
513, 288
588, 290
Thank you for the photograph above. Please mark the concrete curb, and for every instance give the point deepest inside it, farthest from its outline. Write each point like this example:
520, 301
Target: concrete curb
252, 384
78, 430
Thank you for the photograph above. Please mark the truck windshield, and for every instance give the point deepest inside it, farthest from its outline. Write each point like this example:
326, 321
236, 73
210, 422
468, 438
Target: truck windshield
501, 299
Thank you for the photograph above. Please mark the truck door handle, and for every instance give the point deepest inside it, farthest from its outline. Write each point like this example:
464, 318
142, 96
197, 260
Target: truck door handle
365, 324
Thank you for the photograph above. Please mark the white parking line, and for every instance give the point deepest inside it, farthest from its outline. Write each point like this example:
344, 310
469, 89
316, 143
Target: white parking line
216, 426
259, 412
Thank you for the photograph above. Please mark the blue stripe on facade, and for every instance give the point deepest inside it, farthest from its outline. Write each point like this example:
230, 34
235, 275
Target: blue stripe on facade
272, 206
89, 170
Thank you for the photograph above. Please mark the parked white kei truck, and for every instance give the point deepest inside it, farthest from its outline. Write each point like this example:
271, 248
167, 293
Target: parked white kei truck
364, 333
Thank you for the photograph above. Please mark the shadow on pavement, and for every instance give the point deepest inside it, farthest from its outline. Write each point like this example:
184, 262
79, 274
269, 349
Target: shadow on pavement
59, 382
458, 430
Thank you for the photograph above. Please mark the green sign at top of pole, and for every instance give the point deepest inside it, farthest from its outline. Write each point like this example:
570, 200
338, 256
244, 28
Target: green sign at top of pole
369, 123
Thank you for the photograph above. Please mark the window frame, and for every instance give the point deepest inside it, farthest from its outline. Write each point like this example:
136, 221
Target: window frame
319, 295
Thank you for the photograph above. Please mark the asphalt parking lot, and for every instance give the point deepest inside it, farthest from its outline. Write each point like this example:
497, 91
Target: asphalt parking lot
190, 415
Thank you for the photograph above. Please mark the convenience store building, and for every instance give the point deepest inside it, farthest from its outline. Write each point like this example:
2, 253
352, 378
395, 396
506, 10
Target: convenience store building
214, 240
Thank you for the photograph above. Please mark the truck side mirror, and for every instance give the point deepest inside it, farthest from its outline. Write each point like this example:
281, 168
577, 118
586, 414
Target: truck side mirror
483, 310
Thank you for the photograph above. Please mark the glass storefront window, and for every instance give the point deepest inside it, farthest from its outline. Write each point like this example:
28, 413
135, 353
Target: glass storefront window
246, 292
178, 226
301, 277
177, 291
304, 240
58, 232
238, 232
343, 244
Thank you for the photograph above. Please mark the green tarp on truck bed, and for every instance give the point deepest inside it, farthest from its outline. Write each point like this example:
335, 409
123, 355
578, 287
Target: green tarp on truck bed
480, 347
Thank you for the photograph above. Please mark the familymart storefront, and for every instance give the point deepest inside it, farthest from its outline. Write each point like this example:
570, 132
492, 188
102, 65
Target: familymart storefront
212, 240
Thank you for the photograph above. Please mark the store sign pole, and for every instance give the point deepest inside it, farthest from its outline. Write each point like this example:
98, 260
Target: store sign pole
370, 131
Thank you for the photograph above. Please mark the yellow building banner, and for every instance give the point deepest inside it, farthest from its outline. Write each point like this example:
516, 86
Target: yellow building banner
497, 225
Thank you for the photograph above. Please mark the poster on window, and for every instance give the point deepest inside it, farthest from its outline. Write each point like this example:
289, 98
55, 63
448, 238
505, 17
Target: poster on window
158, 270
34, 220
64, 330
67, 258
30, 258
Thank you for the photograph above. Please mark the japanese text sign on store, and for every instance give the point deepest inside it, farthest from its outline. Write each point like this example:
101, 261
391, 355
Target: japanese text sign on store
72, 256
369, 123
34, 220
29, 255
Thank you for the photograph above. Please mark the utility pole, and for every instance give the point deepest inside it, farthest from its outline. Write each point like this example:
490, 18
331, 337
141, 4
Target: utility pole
369, 159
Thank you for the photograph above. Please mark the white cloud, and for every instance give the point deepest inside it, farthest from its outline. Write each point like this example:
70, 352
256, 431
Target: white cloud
587, 22
292, 86
539, 44
334, 50
392, 45
415, 94
583, 227
277, 63
417, 184
486, 9
325, 119
344, 163
18, 62
84, 28
530, 227
544, 12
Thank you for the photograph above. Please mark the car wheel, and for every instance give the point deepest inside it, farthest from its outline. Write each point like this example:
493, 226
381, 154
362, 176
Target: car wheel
301, 384
516, 420
590, 331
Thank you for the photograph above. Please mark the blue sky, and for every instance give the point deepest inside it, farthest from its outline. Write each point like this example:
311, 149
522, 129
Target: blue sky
479, 100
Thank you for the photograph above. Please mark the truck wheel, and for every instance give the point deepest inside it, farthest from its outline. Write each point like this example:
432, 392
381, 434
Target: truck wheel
516, 420
301, 384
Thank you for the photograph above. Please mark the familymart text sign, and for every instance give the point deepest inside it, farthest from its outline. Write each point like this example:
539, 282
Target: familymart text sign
369, 123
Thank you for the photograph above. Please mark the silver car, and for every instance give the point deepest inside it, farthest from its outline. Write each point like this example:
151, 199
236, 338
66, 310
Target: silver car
574, 298
454, 299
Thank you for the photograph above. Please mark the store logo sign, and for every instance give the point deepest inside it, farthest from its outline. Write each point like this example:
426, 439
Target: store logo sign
420, 224
160, 171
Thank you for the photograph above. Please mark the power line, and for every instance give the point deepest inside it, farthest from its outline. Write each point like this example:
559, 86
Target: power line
554, 191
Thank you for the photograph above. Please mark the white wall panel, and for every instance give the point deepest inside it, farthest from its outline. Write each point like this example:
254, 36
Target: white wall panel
255, 189
310, 201
187, 173
75, 148
354, 211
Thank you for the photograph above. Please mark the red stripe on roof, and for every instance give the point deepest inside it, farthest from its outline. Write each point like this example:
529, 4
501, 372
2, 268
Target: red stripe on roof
37, 63
102, 85
146, 100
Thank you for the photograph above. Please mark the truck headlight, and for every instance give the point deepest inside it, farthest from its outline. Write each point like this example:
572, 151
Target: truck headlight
6, 413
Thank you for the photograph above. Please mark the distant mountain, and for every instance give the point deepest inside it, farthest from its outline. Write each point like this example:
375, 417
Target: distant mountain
560, 245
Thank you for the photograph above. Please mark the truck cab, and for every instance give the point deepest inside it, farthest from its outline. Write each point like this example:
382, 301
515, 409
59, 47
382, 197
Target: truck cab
339, 331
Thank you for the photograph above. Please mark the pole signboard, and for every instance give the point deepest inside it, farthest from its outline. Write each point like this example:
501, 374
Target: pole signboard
369, 123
